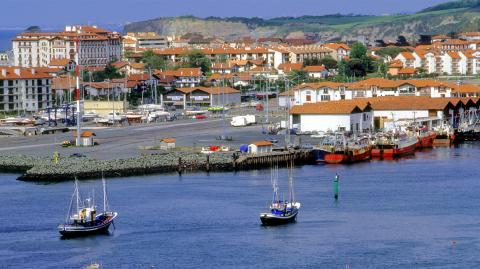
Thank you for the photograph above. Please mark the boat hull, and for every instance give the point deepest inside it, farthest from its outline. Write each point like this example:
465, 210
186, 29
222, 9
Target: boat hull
269, 219
426, 141
77, 230
319, 155
404, 151
352, 156
335, 158
460, 137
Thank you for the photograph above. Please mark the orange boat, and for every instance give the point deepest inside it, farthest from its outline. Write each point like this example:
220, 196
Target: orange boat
425, 138
394, 146
355, 151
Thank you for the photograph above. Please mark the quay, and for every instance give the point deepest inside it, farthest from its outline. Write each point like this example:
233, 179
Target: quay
40, 170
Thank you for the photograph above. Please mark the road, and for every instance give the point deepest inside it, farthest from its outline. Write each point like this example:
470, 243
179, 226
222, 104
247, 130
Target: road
124, 142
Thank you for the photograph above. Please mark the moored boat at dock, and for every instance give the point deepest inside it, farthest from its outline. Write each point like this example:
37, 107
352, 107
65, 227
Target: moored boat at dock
425, 138
351, 151
394, 145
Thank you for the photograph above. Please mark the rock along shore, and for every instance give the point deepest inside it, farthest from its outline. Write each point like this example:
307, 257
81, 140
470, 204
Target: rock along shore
45, 170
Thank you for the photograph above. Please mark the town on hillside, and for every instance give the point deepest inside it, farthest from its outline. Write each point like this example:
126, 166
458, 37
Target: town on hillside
144, 77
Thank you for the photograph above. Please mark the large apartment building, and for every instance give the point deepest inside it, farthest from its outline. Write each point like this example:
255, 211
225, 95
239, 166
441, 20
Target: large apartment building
24, 89
96, 46
145, 40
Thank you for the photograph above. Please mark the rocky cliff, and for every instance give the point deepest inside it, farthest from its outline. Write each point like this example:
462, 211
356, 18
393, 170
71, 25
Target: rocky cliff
442, 19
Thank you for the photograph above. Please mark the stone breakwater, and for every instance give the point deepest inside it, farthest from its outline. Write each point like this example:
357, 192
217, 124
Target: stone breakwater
44, 169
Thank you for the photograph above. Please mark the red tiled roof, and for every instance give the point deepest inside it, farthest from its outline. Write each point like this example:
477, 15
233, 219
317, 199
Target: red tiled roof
262, 143
314, 68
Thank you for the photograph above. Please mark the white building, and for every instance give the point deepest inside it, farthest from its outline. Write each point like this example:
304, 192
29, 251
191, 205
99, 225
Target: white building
97, 47
260, 147
145, 40
24, 89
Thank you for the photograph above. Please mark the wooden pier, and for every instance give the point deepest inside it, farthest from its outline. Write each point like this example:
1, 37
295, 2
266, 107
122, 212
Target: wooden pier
281, 158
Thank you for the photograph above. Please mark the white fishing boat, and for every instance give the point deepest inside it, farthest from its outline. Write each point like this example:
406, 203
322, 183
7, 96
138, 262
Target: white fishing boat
281, 212
85, 220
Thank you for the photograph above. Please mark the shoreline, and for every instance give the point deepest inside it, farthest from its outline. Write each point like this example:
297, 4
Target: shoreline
38, 169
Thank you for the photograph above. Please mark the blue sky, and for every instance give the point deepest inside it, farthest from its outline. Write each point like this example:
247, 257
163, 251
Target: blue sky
55, 13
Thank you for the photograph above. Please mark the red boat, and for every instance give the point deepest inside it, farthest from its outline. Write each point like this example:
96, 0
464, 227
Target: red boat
394, 146
354, 152
425, 138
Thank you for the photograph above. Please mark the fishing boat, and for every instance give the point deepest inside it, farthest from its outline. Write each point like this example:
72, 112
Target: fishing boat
425, 138
394, 145
281, 212
325, 145
85, 220
350, 151
445, 135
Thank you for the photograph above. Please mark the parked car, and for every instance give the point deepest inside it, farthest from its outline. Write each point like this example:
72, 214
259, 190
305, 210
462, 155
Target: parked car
273, 140
77, 155
200, 117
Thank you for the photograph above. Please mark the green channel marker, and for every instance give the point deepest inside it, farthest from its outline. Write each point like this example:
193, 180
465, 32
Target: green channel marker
335, 187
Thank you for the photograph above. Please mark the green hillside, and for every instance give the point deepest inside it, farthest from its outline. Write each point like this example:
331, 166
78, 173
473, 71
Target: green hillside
444, 18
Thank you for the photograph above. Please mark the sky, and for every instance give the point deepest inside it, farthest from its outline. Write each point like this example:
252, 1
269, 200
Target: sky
56, 13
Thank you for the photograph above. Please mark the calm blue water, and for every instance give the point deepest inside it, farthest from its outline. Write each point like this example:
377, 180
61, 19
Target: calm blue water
420, 212
6, 37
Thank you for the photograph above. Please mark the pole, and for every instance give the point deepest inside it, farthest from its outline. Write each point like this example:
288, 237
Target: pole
267, 85
77, 93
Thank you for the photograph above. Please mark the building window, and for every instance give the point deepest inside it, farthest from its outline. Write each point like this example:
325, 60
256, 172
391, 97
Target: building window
325, 97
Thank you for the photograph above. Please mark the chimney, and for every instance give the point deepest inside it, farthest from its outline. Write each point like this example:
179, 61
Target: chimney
4, 72
17, 71
33, 71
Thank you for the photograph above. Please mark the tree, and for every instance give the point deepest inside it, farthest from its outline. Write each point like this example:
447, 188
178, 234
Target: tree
358, 50
382, 68
328, 62
152, 60
424, 40
196, 58
380, 43
342, 68
109, 72
402, 41
356, 68
390, 51
298, 76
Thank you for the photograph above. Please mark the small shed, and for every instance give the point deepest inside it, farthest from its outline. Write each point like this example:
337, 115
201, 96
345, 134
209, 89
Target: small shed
260, 147
87, 138
167, 143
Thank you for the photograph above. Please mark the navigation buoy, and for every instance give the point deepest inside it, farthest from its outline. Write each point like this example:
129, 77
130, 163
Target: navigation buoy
335, 186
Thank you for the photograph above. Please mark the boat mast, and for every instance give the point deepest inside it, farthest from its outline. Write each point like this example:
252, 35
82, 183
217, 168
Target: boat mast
77, 194
290, 181
274, 180
104, 194
71, 202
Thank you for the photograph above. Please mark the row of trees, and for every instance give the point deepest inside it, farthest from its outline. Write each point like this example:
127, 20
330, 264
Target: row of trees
193, 59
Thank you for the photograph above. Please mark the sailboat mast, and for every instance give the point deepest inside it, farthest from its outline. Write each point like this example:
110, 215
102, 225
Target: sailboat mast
104, 195
77, 194
290, 181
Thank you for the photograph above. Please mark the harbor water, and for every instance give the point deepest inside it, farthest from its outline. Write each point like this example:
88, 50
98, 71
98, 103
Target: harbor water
417, 212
